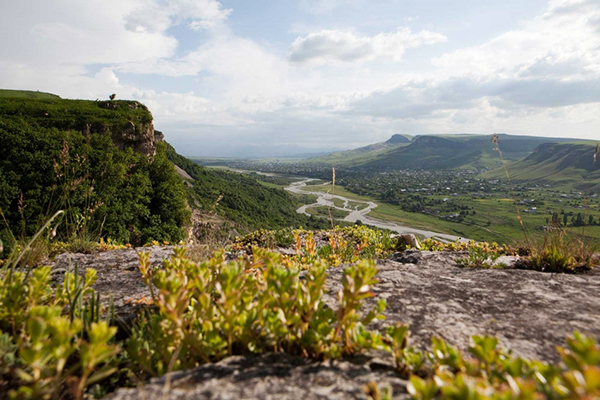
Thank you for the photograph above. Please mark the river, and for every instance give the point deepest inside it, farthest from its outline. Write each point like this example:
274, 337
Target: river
326, 199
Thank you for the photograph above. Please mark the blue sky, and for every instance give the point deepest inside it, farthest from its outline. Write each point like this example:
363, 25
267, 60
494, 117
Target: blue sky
247, 78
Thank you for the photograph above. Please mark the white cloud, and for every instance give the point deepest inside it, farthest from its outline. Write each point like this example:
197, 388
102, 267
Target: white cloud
542, 78
324, 6
64, 32
156, 16
337, 46
568, 31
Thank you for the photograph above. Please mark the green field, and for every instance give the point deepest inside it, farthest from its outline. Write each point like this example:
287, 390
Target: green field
323, 211
339, 190
495, 218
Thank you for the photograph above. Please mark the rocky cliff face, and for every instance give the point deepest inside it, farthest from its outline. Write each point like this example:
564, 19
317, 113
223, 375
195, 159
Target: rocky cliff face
140, 136
142, 139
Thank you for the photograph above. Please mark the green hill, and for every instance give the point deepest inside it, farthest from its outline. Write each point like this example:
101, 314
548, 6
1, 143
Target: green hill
99, 161
447, 151
27, 94
242, 199
565, 165
362, 155
103, 162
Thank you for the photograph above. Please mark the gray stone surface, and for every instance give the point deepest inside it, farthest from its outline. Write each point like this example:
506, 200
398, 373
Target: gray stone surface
271, 377
530, 312
118, 273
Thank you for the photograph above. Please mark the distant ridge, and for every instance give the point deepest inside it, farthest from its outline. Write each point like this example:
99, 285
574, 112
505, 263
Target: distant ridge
399, 139
27, 94
364, 154
439, 151
459, 152
559, 164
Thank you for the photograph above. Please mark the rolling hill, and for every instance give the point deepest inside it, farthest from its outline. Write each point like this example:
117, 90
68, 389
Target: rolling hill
438, 152
565, 165
362, 155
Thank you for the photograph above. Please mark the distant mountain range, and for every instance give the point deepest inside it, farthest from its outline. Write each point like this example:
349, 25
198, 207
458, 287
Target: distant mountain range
442, 151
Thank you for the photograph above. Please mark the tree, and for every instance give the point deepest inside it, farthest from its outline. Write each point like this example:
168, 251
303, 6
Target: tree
112, 96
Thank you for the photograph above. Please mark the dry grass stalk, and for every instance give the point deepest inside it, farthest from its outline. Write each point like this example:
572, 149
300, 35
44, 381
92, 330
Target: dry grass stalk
332, 196
496, 141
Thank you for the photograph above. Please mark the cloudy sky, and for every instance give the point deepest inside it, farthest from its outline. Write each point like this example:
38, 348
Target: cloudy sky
248, 77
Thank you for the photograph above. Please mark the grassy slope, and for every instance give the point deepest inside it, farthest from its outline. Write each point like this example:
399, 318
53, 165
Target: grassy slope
249, 203
360, 156
27, 94
567, 166
66, 114
438, 152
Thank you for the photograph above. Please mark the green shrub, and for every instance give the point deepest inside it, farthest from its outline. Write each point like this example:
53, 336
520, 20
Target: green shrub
209, 310
58, 339
59, 154
480, 258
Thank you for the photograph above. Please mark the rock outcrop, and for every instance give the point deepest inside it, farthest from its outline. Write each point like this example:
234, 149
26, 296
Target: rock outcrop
142, 139
530, 312
139, 136
118, 274
272, 376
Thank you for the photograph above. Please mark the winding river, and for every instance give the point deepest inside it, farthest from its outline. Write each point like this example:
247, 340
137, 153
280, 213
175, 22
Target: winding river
355, 214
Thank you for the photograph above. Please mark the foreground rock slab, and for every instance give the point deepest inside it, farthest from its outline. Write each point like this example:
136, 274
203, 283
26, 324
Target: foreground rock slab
530, 312
272, 376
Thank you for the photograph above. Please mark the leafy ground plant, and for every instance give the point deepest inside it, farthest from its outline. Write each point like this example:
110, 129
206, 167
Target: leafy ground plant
209, 310
480, 258
491, 373
55, 342
348, 244
488, 372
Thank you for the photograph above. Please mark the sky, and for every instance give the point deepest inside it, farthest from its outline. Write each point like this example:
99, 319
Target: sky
234, 78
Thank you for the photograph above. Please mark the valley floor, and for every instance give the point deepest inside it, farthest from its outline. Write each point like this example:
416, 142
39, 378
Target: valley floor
356, 212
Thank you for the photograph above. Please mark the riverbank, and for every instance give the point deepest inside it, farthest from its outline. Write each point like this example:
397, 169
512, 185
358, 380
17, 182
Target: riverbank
360, 214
